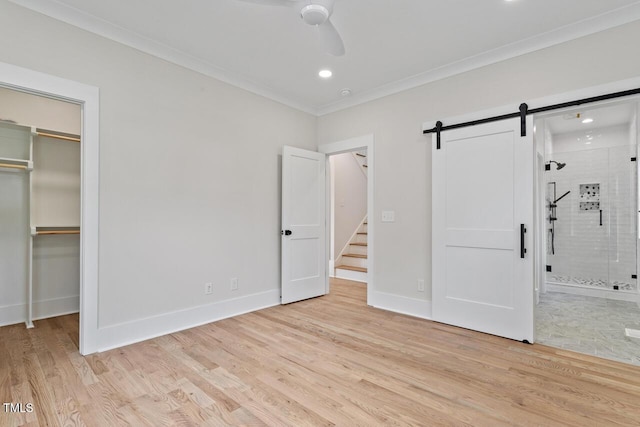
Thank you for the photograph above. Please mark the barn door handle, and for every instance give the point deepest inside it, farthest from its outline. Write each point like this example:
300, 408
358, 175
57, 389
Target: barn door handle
286, 232
523, 231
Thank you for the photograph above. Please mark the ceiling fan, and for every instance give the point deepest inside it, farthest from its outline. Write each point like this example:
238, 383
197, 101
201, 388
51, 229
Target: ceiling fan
316, 13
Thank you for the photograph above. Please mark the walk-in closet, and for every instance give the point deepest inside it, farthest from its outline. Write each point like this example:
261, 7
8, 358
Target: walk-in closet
40, 152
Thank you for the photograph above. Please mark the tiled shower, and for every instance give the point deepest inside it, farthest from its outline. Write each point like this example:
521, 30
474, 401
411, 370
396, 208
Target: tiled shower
591, 210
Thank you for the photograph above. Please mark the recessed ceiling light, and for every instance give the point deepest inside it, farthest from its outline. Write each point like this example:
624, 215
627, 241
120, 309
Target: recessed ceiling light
587, 120
325, 74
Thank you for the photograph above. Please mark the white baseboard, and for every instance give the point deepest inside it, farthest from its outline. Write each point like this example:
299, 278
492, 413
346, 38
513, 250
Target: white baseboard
12, 314
403, 305
356, 276
56, 307
590, 292
122, 334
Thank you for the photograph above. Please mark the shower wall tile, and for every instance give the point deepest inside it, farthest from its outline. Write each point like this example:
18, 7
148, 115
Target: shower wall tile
586, 252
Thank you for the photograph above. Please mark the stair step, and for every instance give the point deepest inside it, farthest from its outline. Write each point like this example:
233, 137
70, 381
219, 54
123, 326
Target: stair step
362, 232
361, 155
365, 166
355, 256
358, 244
348, 267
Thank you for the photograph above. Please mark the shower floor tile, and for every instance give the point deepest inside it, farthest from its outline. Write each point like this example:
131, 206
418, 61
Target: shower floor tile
592, 283
588, 325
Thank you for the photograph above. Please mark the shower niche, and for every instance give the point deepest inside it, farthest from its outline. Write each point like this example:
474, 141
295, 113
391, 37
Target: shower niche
592, 200
589, 197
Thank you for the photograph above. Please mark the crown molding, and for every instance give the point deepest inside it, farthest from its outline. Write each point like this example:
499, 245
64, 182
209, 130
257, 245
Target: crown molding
92, 24
72, 16
605, 21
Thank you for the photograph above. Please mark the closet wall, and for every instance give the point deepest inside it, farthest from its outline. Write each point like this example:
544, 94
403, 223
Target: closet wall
55, 202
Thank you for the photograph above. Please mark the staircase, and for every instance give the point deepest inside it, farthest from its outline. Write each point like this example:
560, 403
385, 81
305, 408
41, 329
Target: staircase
361, 158
352, 263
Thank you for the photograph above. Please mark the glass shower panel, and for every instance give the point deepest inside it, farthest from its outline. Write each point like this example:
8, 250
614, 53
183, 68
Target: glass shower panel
621, 218
577, 193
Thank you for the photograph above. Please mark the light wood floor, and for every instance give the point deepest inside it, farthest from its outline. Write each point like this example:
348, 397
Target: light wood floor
326, 361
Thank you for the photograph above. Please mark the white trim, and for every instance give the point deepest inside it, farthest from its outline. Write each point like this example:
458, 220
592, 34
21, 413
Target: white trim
110, 31
344, 146
13, 314
354, 276
143, 329
77, 18
614, 18
88, 97
403, 305
56, 307
586, 92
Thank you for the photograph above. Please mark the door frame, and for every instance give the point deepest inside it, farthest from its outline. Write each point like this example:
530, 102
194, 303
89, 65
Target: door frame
364, 142
88, 98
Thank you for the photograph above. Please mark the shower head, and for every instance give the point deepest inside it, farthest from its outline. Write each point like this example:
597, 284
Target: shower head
558, 165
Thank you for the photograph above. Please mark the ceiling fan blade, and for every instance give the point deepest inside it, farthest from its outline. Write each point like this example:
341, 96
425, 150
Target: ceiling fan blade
331, 38
281, 3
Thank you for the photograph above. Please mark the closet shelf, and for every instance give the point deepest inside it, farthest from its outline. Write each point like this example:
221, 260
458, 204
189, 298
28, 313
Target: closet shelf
58, 135
6, 162
49, 231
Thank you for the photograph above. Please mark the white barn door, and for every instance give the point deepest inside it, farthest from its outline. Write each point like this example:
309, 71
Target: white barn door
303, 225
482, 205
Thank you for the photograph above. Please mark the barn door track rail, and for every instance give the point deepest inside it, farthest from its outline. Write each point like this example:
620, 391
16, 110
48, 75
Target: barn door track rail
525, 111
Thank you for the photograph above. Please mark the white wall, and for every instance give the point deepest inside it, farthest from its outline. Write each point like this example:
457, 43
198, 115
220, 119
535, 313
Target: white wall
403, 165
56, 183
189, 178
56, 203
40, 112
14, 226
14, 202
350, 198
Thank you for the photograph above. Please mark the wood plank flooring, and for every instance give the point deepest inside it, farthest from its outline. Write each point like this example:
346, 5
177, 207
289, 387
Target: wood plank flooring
321, 362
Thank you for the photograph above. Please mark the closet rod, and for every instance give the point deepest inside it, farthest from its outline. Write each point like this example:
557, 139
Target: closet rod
54, 135
50, 232
7, 165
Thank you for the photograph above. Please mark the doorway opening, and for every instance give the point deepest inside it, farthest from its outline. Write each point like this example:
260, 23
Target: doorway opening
348, 220
40, 175
350, 228
588, 229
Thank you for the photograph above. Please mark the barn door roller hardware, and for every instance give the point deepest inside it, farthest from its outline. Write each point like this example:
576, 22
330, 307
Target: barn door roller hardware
525, 111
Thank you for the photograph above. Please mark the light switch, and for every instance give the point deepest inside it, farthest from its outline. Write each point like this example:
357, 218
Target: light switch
388, 216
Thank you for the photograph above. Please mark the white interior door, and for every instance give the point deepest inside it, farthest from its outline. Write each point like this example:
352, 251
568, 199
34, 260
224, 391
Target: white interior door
303, 225
482, 196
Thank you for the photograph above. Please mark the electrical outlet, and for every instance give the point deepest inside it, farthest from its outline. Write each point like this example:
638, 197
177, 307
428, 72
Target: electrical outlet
420, 285
208, 288
234, 284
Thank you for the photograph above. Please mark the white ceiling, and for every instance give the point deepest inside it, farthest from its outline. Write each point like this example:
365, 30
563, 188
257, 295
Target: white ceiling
617, 113
391, 45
